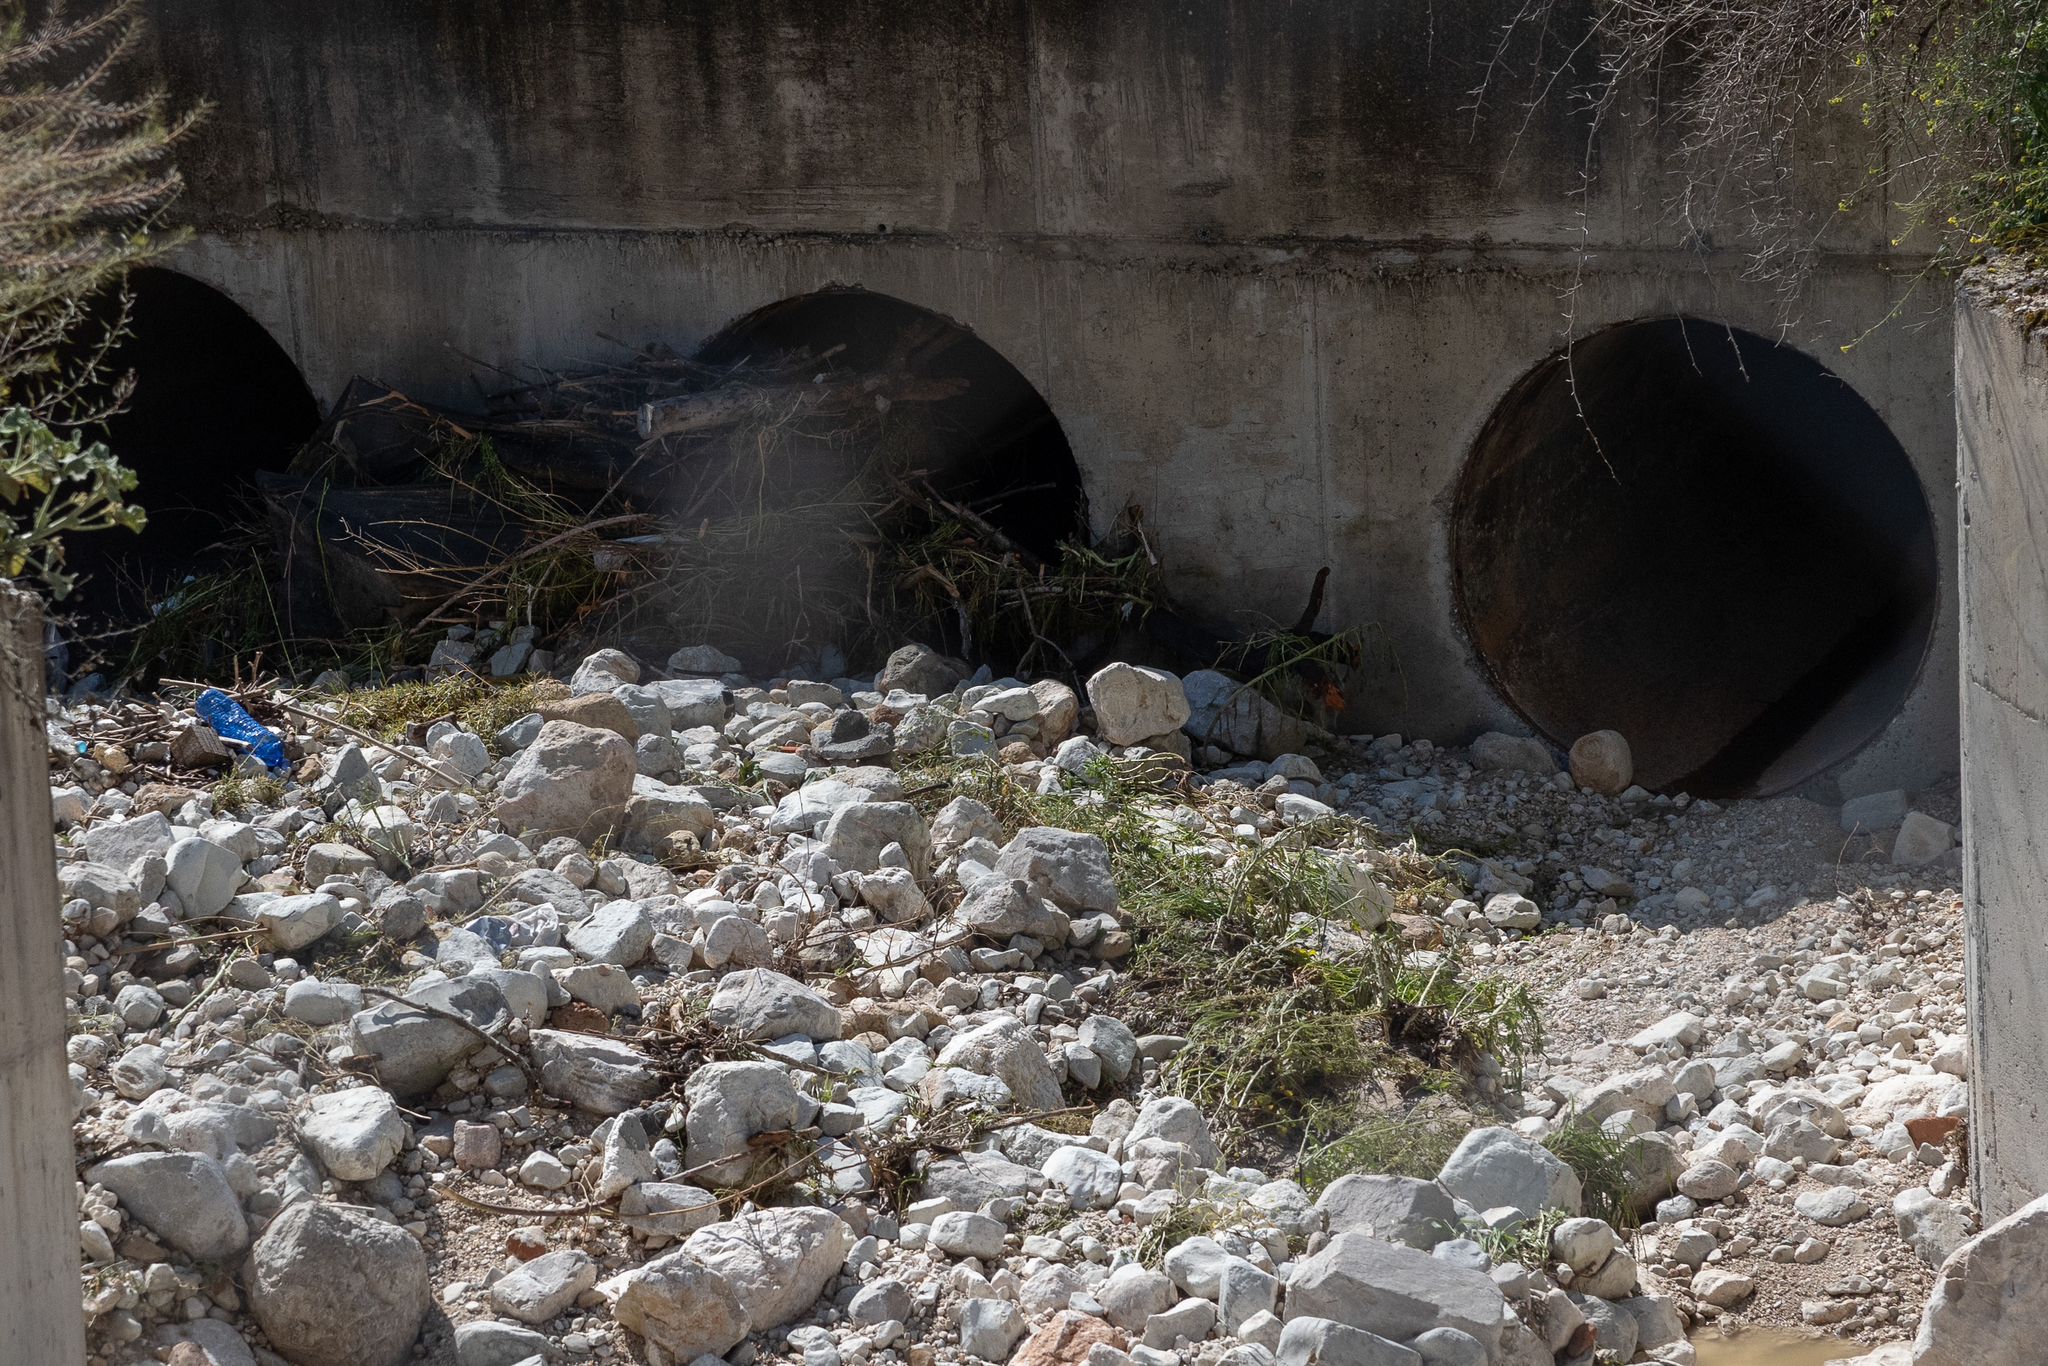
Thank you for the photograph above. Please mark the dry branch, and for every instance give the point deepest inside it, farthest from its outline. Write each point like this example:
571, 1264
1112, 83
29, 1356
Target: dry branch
732, 403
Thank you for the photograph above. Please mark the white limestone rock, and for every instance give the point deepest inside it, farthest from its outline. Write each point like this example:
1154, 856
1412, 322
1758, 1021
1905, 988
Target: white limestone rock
333, 1285
182, 1197
355, 1133
1133, 703
572, 780
1989, 1306
730, 1102
1495, 1166
777, 1260
760, 1003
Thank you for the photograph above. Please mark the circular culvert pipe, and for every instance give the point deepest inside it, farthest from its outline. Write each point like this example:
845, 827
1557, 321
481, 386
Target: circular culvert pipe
1701, 539
999, 447
215, 400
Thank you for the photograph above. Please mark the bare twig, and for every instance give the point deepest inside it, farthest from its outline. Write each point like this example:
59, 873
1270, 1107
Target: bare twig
449, 776
523, 1211
511, 1054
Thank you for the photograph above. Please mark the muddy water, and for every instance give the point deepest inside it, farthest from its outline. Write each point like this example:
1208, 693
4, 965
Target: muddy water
1763, 1348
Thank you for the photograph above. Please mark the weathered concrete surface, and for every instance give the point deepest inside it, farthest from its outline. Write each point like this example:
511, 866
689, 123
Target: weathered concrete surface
2002, 440
39, 1257
1267, 267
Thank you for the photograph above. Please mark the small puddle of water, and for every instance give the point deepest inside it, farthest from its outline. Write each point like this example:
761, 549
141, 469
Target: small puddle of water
1761, 1347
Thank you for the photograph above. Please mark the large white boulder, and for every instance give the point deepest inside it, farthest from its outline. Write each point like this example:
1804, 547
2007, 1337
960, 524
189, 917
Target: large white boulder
1003, 1048
1174, 1120
1495, 1167
856, 835
203, 874
183, 1198
572, 780
1398, 1209
1394, 1291
1990, 1301
412, 1051
730, 1102
760, 1003
538, 1290
333, 1285
1930, 1225
999, 908
1134, 703
777, 1260
681, 1306
1068, 868
355, 1133
602, 1076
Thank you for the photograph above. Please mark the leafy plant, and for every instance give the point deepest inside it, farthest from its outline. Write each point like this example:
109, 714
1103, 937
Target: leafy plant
1295, 671
1969, 83
208, 621
1414, 1142
1188, 1219
1526, 1241
236, 795
54, 486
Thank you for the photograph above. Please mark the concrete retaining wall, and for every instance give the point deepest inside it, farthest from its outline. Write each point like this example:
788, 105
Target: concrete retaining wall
2002, 438
38, 1191
1268, 267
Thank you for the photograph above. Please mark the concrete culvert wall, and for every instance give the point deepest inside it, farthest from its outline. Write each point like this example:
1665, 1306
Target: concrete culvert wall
215, 399
1000, 450
1704, 540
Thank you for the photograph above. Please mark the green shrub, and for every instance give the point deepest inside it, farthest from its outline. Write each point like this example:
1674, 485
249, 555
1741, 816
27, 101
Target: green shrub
54, 486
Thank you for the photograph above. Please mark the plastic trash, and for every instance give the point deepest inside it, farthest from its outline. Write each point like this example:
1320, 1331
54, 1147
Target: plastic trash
236, 726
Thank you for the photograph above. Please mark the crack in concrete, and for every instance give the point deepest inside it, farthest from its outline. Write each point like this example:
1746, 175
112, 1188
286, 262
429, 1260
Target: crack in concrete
2025, 713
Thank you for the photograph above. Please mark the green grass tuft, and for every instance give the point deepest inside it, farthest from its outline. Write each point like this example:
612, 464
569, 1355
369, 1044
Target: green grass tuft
1415, 1142
1255, 954
1527, 1242
1607, 1169
1188, 1219
236, 795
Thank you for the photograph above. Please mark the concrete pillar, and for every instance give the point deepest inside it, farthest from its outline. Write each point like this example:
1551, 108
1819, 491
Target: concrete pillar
2002, 439
39, 1314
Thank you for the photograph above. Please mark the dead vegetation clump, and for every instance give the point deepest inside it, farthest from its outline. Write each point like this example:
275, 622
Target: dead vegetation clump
782, 505
85, 175
405, 710
1923, 121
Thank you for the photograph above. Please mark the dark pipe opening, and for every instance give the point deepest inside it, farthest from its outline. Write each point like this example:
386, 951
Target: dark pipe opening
215, 400
1000, 448
1703, 540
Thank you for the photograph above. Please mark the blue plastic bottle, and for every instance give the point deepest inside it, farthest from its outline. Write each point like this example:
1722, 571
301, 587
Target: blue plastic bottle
231, 722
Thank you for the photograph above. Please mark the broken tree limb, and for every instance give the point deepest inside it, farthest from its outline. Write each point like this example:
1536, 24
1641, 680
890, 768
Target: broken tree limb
695, 412
729, 403
968, 517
